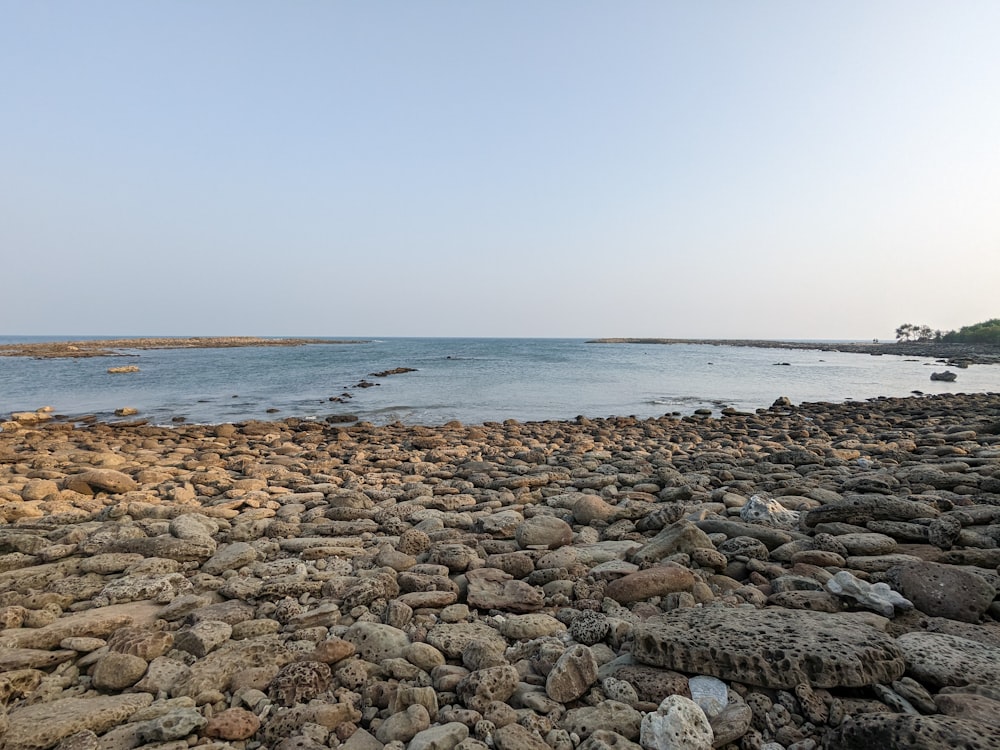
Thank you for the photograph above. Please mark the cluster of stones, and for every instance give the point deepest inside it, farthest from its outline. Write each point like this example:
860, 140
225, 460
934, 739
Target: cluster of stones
804, 577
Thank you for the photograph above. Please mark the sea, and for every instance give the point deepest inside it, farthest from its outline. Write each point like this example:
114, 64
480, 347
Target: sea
472, 380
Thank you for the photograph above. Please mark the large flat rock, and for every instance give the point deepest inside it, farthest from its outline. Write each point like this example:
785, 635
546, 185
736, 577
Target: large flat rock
774, 648
908, 732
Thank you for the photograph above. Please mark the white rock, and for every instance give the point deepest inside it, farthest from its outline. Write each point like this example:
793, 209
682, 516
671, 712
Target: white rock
678, 724
767, 512
877, 597
710, 693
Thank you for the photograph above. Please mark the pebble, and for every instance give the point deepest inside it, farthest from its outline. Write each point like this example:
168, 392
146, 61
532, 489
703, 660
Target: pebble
297, 584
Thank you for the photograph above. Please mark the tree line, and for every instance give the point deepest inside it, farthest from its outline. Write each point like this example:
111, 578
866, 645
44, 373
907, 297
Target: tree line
987, 332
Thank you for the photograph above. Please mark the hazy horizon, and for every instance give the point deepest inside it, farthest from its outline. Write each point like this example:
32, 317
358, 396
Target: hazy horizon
777, 170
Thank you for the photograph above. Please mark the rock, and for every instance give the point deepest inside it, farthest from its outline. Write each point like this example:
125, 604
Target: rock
678, 724
530, 626
42, 725
232, 724
710, 693
589, 627
731, 723
299, 682
605, 739
230, 557
572, 675
944, 590
970, 707
403, 727
681, 536
610, 715
543, 532
203, 637
516, 737
860, 509
657, 581
100, 480
877, 597
490, 588
947, 376
909, 732
940, 659
770, 648
376, 642
443, 737
117, 671
174, 725
477, 689
768, 512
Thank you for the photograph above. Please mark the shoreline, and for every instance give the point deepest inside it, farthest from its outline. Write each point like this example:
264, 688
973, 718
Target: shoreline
108, 347
260, 581
956, 355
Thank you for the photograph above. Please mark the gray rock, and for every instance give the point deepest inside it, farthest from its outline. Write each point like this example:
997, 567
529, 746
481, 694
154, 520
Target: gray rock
941, 659
771, 648
678, 724
877, 597
611, 715
443, 737
682, 536
889, 731
944, 590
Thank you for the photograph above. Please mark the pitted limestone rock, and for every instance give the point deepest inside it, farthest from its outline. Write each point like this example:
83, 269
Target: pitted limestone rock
617, 717
299, 682
908, 732
771, 648
940, 659
678, 724
944, 590
42, 725
490, 588
214, 671
493, 684
572, 675
160, 589
147, 644
376, 642
589, 627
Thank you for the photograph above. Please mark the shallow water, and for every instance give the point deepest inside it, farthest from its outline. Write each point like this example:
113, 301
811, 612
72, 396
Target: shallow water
471, 380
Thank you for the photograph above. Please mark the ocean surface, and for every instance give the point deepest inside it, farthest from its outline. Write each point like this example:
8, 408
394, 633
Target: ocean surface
470, 380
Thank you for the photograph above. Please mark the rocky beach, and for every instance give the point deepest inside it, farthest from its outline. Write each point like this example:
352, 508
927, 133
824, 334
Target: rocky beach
811, 576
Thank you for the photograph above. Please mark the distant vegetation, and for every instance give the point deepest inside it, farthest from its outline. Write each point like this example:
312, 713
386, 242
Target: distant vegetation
987, 332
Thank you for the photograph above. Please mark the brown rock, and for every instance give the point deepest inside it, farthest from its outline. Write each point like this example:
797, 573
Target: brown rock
490, 588
656, 581
232, 724
572, 675
42, 725
944, 590
117, 671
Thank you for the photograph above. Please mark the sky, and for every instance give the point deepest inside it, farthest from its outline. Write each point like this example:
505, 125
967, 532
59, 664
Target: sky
564, 168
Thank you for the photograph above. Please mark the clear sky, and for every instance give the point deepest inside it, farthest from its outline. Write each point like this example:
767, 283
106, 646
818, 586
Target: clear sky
556, 168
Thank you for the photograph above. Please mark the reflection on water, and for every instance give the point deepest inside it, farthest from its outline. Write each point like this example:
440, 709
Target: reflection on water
471, 380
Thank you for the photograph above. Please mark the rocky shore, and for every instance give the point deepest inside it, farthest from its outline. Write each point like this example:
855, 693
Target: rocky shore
956, 355
113, 347
813, 576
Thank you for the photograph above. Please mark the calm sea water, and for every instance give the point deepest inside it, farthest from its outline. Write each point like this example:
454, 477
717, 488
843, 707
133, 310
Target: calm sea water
471, 380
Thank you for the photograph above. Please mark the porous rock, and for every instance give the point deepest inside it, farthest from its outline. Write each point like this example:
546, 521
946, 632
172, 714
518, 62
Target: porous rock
42, 725
891, 731
770, 648
941, 659
944, 590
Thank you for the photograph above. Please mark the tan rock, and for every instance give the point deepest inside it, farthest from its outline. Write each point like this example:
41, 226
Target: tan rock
42, 725
656, 581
